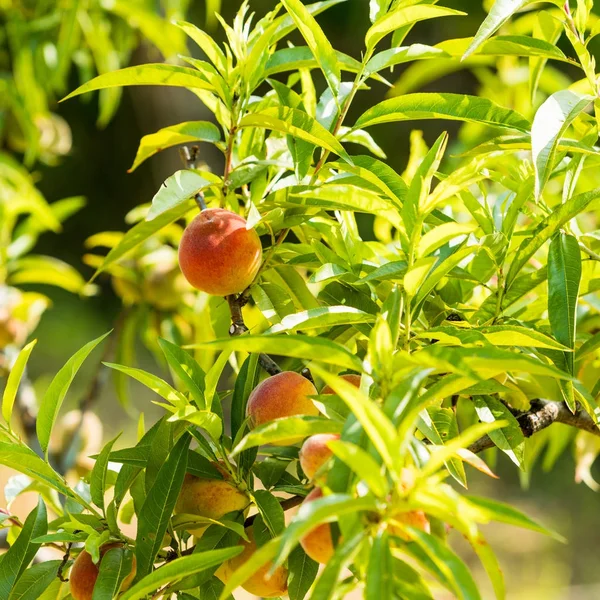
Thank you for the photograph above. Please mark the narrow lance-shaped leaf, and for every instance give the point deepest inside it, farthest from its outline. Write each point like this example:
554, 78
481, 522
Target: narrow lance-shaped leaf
115, 566
317, 41
500, 13
190, 131
150, 74
294, 122
158, 506
21, 553
34, 582
456, 107
564, 278
57, 391
303, 571
550, 123
14, 380
402, 16
98, 475
178, 569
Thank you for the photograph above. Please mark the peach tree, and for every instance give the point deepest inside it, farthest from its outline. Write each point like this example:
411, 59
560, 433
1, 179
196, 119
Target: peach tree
357, 379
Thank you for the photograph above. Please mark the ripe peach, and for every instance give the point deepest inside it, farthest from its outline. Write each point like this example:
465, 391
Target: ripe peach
260, 584
315, 452
282, 395
211, 498
84, 573
350, 378
415, 518
218, 255
318, 543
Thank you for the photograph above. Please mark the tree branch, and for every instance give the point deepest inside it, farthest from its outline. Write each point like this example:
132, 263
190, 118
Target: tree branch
238, 327
542, 414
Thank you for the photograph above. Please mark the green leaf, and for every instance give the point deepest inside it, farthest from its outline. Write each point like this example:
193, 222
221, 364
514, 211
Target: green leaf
207, 44
57, 390
294, 346
178, 188
549, 125
50, 271
510, 438
183, 133
492, 510
187, 369
21, 553
115, 566
98, 475
378, 427
143, 231
178, 569
363, 464
157, 510
288, 429
323, 510
547, 228
14, 379
400, 17
515, 335
380, 574
448, 563
403, 54
564, 278
297, 123
303, 571
153, 382
270, 510
245, 382
457, 107
317, 41
500, 13
325, 316
149, 74
33, 583
442, 234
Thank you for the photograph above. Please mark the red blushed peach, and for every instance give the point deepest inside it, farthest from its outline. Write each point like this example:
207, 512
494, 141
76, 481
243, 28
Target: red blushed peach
315, 452
211, 498
283, 395
261, 583
218, 255
84, 573
318, 543
350, 378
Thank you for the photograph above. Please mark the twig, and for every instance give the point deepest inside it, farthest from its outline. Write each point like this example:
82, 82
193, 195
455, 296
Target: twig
190, 160
544, 413
63, 564
238, 327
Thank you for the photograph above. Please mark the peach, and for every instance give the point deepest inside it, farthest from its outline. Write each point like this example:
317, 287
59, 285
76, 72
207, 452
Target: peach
211, 498
318, 543
415, 518
260, 584
315, 452
350, 378
218, 255
84, 573
282, 395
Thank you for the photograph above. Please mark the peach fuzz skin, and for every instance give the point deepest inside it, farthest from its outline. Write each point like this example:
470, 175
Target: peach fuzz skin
282, 395
318, 543
84, 574
260, 584
211, 498
350, 378
218, 255
315, 452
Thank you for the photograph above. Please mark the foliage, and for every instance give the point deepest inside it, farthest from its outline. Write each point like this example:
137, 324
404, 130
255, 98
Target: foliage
469, 311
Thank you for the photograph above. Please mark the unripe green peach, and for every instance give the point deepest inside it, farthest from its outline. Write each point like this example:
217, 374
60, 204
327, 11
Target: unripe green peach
218, 254
318, 543
315, 452
351, 378
260, 584
283, 395
211, 498
84, 573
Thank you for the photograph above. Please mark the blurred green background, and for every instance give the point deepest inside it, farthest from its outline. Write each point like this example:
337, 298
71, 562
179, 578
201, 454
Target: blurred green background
535, 567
